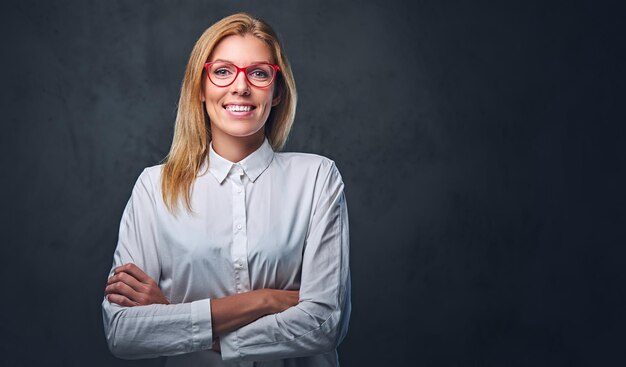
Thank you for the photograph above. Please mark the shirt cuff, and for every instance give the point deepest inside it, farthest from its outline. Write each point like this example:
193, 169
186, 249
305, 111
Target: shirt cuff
229, 346
201, 327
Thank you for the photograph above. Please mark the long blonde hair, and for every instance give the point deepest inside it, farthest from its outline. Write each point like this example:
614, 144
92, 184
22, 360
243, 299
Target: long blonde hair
192, 133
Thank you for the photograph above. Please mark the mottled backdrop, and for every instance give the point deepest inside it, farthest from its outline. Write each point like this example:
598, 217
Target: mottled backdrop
481, 143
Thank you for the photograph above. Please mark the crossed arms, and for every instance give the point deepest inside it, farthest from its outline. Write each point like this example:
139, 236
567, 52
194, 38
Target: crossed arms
130, 286
262, 324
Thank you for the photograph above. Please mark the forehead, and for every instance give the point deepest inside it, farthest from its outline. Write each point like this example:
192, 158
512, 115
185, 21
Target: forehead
242, 50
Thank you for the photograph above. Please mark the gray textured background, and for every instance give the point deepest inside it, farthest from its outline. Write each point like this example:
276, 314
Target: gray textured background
481, 143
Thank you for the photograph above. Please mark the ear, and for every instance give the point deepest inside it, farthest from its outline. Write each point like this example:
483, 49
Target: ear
202, 97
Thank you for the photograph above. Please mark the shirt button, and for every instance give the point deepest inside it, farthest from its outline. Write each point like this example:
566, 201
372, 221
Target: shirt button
238, 226
238, 190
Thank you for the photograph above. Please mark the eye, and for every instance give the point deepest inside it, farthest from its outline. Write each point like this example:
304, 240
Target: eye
222, 72
259, 73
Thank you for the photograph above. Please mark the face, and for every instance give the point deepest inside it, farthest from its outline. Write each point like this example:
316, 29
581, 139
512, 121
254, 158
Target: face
240, 109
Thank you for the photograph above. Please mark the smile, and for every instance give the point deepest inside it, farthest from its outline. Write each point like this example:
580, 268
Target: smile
239, 108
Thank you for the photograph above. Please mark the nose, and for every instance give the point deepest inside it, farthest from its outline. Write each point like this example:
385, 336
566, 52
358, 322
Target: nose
240, 85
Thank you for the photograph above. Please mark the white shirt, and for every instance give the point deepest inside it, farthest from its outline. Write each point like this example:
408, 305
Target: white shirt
273, 220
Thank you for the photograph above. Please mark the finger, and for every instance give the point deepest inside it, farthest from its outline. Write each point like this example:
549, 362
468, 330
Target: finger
128, 280
135, 271
121, 300
124, 290
112, 279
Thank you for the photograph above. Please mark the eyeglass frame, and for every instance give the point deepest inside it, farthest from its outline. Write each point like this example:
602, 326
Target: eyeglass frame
274, 66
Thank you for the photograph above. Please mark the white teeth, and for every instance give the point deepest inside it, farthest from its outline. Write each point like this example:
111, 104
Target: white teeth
236, 108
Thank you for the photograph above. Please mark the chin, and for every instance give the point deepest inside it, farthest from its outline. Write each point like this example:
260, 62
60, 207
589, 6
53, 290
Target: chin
242, 134
242, 131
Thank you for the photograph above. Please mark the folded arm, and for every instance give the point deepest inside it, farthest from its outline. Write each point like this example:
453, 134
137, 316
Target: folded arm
133, 328
130, 286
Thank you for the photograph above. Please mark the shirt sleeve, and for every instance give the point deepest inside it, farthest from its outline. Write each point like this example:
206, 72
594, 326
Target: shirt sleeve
320, 320
153, 330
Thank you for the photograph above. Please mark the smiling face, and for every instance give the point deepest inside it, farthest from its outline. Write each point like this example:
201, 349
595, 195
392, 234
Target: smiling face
239, 110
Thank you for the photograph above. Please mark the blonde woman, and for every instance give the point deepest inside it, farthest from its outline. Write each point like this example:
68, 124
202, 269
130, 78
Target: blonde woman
231, 253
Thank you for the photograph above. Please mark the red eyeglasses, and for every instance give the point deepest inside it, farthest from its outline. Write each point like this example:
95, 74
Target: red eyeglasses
223, 73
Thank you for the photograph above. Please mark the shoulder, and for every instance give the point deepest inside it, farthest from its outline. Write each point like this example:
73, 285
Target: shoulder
149, 180
152, 172
306, 163
308, 168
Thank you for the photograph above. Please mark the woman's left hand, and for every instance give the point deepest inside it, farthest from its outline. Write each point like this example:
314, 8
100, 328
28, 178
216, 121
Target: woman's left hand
130, 286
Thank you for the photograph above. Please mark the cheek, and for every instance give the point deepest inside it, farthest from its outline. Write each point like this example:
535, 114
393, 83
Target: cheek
212, 100
268, 97
210, 96
213, 93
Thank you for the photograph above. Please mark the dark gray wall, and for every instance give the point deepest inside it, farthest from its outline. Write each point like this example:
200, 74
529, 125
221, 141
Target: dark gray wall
482, 147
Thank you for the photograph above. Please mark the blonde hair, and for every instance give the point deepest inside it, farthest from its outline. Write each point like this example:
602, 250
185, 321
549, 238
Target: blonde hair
192, 133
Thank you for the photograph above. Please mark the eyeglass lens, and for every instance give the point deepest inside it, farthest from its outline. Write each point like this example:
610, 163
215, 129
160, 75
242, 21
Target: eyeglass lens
224, 73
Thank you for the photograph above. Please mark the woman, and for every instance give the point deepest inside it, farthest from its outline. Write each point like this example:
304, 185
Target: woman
230, 252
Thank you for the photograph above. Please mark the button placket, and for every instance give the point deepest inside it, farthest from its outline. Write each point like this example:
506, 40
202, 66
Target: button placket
239, 249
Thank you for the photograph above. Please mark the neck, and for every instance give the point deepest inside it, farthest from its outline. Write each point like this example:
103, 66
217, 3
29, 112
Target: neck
235, 148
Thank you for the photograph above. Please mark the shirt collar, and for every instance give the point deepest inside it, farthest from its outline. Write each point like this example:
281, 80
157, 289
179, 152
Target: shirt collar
253, 165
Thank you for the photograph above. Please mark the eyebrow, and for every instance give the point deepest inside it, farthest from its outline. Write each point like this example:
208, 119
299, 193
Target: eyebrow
252, 63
